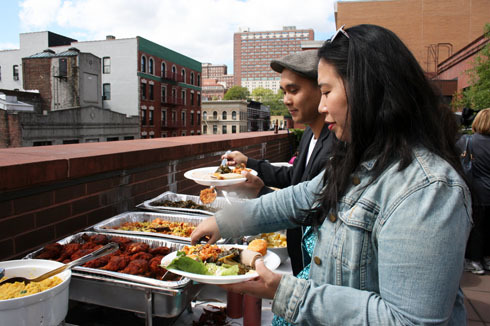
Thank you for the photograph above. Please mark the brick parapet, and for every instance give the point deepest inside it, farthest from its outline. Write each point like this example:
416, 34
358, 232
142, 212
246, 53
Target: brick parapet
50, 192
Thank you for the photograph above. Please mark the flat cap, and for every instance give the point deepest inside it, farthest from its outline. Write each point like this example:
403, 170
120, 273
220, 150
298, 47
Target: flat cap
304, 63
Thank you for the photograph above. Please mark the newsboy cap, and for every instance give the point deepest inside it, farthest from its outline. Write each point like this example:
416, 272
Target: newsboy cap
304, 63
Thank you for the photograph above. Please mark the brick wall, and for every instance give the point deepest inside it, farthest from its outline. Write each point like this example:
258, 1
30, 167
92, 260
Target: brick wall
50, 192
35, 72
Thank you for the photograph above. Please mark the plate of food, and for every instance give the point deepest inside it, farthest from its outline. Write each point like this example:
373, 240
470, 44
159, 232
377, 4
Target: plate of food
219, 264
218, 175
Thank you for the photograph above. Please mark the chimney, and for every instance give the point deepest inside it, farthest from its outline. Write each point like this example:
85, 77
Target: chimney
110, 37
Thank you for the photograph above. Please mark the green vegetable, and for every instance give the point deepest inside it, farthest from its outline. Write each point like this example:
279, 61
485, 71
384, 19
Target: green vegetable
186, 264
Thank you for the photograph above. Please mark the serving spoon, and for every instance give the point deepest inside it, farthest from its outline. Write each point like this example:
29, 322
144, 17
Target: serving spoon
105, 250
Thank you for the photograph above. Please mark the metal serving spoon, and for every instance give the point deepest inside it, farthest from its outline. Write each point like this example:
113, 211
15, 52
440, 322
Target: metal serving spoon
105, 250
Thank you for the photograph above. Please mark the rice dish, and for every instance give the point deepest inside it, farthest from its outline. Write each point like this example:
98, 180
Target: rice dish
19, 289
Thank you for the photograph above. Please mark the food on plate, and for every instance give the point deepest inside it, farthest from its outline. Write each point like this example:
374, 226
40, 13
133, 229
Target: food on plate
136, 258
182, 204
274, 239
258, 245
224, 172
20, 289
207, 195
158, 225
214, 260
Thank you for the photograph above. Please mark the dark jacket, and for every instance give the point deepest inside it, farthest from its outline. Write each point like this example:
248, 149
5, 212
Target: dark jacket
282, 177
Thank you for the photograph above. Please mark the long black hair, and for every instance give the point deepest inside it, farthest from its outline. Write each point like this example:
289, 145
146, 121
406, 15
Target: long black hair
392, 109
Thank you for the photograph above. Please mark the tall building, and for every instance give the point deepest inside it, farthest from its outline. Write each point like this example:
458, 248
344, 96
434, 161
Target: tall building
139, 78
218, 73
432, 29
253, 52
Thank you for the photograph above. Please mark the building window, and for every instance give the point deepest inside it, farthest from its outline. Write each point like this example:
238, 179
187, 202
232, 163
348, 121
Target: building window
233, 115
150, 93
198, 80
164, 70
174, 73
143, 117
192, 98
183, 118
42, 143
106, 92
106, 62
128, 137
223, 129
204, 115
92, 140
150, 117
16, 72
183, 75
215, 115
174, 118
198, 118
70, 141
164, 94
183, 97
224, 115
164, 118
183, 133
174, 96
198, 99
233, 129
143, 63
143, 91
192, 118
215, 129
205, 129
192, 78
112, 138
150, 66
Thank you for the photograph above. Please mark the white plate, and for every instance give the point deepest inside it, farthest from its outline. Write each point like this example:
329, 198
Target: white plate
202, 176
272, 261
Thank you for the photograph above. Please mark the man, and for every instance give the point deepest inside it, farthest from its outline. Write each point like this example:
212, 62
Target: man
301, 97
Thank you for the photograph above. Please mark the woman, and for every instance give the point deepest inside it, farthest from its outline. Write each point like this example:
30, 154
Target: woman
391, 212
478, 247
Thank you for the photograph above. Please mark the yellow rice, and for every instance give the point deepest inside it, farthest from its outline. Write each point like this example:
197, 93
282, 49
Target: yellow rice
19, 289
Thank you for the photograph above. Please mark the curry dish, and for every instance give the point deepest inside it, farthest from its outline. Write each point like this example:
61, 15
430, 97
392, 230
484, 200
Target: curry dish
19, 289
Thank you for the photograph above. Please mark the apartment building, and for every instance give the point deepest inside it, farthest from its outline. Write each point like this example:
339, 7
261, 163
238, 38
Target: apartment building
139, 78
218, 73
253, 52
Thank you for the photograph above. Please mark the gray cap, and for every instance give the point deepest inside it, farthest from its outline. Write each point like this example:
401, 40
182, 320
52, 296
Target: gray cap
304, 63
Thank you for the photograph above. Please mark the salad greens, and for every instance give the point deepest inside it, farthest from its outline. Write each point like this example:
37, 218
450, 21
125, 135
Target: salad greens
187, 264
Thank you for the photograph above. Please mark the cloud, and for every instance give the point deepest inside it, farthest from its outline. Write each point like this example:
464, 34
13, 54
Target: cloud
200, 29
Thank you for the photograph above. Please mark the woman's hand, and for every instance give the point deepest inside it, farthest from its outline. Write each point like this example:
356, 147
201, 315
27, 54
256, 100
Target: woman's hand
263, 286
207, 228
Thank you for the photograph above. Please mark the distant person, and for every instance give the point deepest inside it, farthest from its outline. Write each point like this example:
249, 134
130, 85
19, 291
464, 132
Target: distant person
298, 82
391, 210
478, 248
293, 158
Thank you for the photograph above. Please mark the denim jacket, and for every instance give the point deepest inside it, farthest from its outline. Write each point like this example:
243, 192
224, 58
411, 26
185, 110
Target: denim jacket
392, 255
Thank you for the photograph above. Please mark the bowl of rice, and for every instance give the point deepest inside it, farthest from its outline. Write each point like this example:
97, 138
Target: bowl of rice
38, 303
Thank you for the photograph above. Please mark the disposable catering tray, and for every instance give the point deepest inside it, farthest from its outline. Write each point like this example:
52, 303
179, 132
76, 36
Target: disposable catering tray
110, 225
139, 294
156, 204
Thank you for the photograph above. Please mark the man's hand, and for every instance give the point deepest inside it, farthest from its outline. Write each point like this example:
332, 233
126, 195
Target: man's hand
235, 158
263, 286
207, 228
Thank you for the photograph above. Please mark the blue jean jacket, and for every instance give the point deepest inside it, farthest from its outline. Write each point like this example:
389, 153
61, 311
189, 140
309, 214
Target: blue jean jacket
393, 255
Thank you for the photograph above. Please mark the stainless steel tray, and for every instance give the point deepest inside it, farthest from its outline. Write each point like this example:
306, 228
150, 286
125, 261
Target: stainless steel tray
152, 242
109, 225
151, 204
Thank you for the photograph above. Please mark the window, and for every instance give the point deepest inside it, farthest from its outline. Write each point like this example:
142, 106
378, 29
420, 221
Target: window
183, 75
192, 78
174, 96
192, 118
150, 117
198, 99
16, 72
224, 115
183, 97
62, 67
174, 118
143, 91
215, 115
42, 143
233, 115
164, 70
204, 115
215, 129
198, 118
106, 92
128, 137
164, 118
174, 72
183, 118
150, 93
183, 133
143, 63
205, 129
70, 141
198, 80
164, 94
106, 62
233, 129
192, 98
143, 117
223, 130
150, 66
112, 138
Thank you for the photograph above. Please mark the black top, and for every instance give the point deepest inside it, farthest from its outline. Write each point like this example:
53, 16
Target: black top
282, 177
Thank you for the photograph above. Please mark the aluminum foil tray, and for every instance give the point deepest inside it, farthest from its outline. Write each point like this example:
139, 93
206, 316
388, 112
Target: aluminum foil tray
110, 224
151, 204
152, 242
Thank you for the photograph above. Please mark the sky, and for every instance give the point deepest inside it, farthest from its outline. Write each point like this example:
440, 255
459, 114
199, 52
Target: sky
200, 29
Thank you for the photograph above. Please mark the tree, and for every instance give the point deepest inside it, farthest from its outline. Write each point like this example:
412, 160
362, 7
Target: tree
237, 93
273, 100
477, 96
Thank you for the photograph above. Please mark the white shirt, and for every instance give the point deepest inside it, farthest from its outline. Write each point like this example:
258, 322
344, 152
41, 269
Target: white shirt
310, 149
